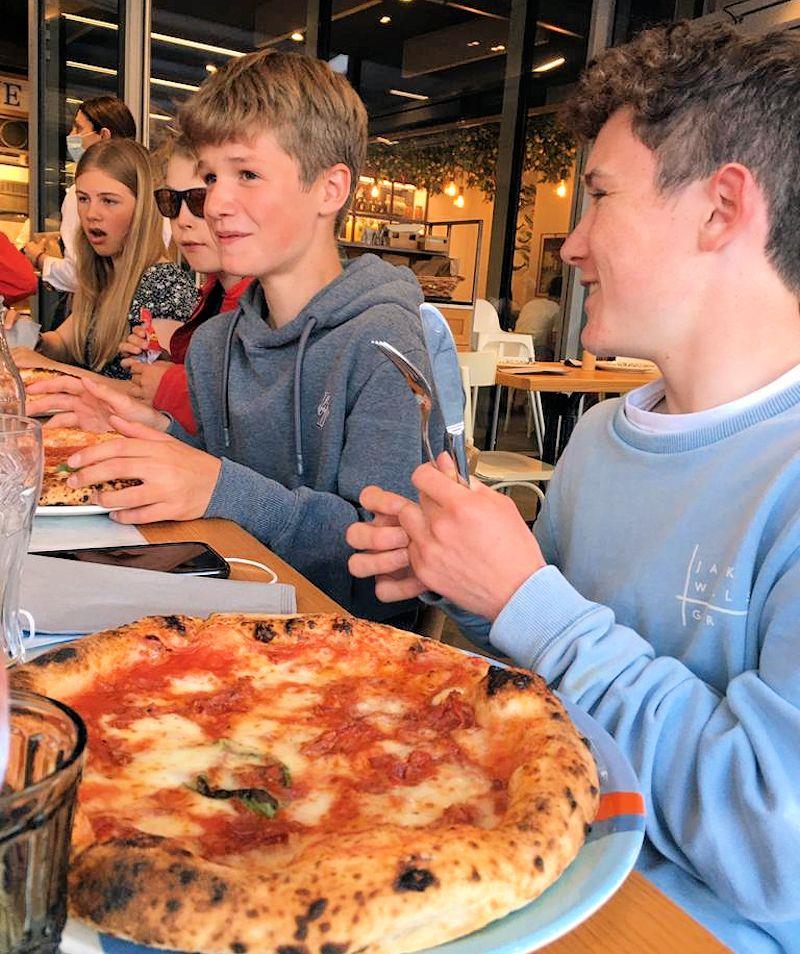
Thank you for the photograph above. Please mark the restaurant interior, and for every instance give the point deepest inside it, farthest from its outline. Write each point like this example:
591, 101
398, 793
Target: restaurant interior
471, 182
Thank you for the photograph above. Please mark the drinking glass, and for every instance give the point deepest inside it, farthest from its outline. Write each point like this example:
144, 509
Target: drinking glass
20, 483
36, 810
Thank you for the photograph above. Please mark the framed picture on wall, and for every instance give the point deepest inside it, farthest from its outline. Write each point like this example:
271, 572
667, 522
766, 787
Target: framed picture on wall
550, 264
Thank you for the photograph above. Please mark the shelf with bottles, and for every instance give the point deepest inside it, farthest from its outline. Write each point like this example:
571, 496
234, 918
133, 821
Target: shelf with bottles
389, 200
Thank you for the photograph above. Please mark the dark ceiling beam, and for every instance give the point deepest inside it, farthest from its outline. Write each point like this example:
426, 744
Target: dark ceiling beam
511, 153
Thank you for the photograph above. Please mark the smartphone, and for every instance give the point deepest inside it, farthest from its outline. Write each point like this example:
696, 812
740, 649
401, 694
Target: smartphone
190, 558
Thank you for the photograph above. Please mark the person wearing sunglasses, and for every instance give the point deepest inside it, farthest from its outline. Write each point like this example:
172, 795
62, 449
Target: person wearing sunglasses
122, 264
163, 384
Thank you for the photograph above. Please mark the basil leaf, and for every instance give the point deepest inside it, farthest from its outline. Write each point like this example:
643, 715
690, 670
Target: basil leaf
267, 809
64, 468
255, 799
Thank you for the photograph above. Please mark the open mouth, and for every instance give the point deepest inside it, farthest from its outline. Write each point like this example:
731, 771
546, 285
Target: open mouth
96, 235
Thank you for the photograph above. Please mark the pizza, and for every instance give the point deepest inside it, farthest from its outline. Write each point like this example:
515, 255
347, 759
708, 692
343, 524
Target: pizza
32, 375
310, 785
60, 443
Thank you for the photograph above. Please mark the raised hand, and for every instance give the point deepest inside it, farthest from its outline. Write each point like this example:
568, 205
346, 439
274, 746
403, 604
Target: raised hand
88, 404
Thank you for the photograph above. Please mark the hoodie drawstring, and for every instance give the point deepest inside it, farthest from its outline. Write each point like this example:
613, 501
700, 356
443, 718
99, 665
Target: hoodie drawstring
226, 374
298, 374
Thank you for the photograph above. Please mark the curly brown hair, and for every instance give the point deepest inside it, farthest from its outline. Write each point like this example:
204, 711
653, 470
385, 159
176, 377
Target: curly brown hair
703, 96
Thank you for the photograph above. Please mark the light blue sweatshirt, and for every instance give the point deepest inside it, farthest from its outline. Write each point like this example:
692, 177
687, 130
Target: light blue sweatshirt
670, 611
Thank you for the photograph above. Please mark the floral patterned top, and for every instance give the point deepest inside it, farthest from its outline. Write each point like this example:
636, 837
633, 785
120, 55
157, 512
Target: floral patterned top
167, 292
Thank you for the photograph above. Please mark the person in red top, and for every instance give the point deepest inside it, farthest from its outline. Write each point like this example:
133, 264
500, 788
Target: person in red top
17, 278
163, 384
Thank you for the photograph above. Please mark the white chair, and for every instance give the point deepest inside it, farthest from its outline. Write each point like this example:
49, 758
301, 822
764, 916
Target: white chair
520, 347
486, 327
502, 470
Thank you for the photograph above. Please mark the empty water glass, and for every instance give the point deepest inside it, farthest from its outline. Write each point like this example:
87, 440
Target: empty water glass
20, 483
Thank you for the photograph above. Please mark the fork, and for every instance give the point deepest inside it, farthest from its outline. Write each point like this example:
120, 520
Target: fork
419, 386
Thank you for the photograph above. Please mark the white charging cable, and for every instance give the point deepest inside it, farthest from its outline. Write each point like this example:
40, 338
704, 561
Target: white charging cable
257, 565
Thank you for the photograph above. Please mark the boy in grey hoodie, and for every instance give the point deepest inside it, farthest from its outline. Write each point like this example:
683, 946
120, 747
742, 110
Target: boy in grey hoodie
297, 411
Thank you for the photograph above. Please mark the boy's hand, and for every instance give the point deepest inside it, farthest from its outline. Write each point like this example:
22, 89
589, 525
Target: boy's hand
177, 480
386, 547
88, 404
145, 378
11, 317
135, 343
469, 544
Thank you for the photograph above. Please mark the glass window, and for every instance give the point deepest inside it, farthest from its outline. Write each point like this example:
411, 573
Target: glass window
186, 47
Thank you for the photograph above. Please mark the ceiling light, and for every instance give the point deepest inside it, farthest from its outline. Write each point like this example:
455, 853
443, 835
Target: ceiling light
549, 65
451, 188
171, 84
499, 48
90, 68
474, 43
374, 192
297, 36
561, 189
407, 95
459, 202
211, 68
385, 20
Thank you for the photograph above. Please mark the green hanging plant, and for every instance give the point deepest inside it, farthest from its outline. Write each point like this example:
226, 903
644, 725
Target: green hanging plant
470, 155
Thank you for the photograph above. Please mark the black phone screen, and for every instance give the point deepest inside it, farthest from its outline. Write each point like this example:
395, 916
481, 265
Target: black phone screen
195, 559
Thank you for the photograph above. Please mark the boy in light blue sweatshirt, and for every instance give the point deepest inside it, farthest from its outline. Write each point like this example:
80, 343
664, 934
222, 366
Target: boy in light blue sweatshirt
661, 588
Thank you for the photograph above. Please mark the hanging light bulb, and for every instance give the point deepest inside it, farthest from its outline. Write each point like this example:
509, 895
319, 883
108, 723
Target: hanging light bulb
459, 201
561, 189
451, 188
375, 192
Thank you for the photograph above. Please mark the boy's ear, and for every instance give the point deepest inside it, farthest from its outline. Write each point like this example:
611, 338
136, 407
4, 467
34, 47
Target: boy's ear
734, 197
105, 133
335, 183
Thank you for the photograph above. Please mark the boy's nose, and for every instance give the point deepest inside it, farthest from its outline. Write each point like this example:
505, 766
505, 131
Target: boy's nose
574, 250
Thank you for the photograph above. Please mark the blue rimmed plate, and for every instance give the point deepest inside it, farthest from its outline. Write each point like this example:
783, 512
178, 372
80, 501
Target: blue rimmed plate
601, 866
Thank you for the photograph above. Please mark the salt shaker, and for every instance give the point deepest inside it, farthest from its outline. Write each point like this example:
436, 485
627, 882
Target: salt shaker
12, 390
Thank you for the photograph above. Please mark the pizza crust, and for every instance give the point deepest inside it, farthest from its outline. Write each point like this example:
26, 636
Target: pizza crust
55, 491
386, 888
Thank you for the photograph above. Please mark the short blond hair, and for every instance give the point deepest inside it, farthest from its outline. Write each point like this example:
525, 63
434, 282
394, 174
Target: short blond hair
314, 113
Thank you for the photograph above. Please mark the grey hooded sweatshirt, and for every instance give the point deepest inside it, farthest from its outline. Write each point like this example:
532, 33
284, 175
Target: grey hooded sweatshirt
307, 415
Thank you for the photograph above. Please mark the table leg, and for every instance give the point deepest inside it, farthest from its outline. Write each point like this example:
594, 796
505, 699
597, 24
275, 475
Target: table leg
495, 414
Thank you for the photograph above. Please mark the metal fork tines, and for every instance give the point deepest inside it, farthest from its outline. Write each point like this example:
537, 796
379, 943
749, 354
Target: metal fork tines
419, 387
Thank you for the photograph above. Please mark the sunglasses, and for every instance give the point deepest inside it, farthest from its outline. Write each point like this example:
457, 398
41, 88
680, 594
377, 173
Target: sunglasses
169, 201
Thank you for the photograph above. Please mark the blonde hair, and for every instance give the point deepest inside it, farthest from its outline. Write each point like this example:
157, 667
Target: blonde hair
172, 143
106, 287
314, 113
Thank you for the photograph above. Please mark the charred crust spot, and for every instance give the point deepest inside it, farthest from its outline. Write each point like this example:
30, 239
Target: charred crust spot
538, 863
416, 648
176, 623
141, 840
293, 623
586, 742
476, 875
415, 879
302, 928
497, 679
238, 948
342, 625
542, 804
185, 875
218, 890
557, 716
593, 789
110, 896
56, 656
311, 624
172, 905
330, 947
292, 949
324, 927
316, 909
251, 913
587, 829
570, 799
264, 632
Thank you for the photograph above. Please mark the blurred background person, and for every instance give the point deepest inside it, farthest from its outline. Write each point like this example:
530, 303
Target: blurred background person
539, 318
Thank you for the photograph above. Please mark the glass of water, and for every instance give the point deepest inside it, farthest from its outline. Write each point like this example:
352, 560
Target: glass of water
20, 483
37, 802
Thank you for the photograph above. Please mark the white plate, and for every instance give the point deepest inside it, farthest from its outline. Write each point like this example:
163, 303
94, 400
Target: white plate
599, 869
79, 510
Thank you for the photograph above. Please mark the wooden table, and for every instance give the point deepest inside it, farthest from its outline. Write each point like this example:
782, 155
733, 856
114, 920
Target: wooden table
571, 381
575, 380
638, 919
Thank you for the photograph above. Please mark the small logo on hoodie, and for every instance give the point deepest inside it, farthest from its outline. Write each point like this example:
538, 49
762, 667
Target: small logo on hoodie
324, 410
